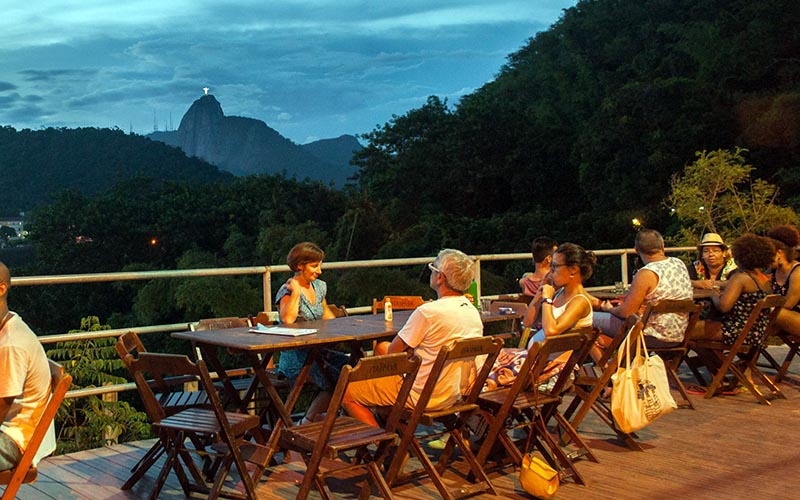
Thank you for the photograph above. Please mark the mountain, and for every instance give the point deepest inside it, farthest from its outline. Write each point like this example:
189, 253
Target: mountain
246, 146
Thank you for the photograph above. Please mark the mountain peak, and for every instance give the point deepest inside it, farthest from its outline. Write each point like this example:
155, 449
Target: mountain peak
245, 146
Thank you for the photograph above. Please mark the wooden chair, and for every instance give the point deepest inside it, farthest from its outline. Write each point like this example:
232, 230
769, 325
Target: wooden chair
672, 356
265, 318
338, 311
198, 424
721, 359
781, 369
524, 406
338, 434
169, 392
460, 356
399, 302
594, 378
25, 471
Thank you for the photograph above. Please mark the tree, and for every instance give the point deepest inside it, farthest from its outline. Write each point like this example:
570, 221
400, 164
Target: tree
91, 422
716, 194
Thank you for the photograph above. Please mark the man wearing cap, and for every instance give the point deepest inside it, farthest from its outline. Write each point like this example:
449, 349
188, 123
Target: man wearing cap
713, 265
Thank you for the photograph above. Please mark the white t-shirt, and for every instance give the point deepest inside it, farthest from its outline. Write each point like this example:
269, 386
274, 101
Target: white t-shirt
432, 326
25, 375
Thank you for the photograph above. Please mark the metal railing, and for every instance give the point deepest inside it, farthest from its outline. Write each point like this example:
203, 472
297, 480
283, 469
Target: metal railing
266, 272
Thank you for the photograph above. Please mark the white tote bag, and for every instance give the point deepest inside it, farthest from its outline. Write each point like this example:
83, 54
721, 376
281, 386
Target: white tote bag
641, 387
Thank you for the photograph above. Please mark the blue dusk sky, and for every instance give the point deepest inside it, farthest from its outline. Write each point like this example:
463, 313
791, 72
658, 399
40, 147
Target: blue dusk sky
311, 69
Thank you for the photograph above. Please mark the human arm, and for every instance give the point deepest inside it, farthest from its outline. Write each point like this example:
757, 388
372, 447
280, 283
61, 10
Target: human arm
644, 282
399, 345
534, 310
289, 304
574, 311
326, 311
724, 302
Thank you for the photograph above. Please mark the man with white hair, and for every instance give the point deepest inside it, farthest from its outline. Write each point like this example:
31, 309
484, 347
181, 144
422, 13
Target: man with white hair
430, 327
24, 384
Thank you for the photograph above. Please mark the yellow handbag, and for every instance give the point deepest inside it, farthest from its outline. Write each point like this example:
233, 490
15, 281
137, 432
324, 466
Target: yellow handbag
537, 477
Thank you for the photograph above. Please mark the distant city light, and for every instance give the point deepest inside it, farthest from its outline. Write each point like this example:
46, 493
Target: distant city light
153, 242
637, 224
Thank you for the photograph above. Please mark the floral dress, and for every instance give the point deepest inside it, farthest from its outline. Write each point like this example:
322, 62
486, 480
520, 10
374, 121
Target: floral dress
735, 319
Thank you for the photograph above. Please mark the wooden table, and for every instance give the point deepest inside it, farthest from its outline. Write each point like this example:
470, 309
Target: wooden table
257, 349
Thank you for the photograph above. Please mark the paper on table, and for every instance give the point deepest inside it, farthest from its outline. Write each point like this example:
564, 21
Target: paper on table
280, 330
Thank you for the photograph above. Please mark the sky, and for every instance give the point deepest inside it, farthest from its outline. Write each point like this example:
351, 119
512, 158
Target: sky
310, 69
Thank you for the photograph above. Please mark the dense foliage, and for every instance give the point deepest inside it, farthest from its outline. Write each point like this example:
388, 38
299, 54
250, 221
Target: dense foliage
37, 164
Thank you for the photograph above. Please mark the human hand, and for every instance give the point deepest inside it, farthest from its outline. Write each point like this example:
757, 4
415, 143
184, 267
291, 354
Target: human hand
293, 285
547, 291
606, 306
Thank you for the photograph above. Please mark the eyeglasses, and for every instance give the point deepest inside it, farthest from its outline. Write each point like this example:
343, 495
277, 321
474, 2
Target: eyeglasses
434, 268
554, 266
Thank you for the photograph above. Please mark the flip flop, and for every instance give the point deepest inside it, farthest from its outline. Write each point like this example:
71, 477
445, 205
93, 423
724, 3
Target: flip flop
697, 390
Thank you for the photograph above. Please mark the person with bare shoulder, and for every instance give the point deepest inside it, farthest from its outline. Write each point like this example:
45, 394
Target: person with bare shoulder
661, 277
786, 238
25, 390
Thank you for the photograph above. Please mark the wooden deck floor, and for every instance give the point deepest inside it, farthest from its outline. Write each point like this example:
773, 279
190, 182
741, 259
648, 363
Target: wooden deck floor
729, 447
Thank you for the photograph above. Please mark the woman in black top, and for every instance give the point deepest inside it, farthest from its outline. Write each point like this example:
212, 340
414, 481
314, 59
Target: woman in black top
785, 279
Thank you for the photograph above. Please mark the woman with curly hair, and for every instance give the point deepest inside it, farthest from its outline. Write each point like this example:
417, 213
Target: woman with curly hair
753, 254
784, 281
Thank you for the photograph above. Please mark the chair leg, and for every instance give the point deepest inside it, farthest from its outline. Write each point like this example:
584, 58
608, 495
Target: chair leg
143, 465
672, 373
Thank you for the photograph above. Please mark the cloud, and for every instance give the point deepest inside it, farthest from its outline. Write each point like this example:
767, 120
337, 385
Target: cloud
319, 68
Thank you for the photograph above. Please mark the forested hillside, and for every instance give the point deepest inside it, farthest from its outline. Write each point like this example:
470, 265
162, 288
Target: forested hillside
36, 164
580, 131
584, 126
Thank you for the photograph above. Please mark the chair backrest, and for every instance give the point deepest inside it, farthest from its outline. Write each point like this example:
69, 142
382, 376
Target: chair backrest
265, 318
219, 323
464, 353
374, 367
25, 472
399, 302
578, 340
156, 370
338, 311
129, 343
685, 306
624, 330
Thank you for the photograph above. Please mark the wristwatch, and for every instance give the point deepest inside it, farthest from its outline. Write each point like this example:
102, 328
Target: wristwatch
548, 300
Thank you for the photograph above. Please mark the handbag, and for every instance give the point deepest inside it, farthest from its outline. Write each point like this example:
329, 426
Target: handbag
640, 387
537, 477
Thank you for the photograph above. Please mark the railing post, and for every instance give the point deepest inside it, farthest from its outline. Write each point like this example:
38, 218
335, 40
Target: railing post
624, 265
478, 276
267, 288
